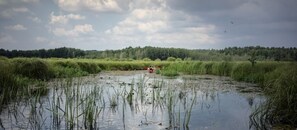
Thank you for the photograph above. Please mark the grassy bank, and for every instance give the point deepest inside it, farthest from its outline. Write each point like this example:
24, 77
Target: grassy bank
240, 71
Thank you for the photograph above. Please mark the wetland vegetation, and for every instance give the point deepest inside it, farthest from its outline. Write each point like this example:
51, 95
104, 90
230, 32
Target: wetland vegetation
50, 93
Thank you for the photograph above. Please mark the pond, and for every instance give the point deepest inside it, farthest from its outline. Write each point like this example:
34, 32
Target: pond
137, 100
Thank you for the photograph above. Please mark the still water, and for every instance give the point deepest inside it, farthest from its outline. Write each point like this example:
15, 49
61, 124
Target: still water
137, 100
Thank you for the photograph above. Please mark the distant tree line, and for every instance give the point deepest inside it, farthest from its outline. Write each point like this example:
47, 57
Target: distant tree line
158, 53
230, 53
264, 53
42, 53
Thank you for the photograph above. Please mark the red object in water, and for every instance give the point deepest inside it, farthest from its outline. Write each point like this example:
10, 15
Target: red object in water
151, 70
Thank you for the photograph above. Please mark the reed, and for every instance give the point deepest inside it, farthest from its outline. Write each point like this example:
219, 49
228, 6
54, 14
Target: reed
189, 110
281, 88
171, 70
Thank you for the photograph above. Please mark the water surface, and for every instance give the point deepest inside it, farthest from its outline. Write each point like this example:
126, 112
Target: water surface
137, 100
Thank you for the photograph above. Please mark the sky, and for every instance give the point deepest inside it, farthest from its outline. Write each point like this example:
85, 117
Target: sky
117, 24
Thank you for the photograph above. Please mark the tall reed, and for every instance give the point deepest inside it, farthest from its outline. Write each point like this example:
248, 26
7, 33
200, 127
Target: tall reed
280, 108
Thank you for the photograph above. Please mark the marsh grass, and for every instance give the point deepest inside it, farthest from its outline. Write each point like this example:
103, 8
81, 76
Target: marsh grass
280, 108
16, 85
32, 68
171, 70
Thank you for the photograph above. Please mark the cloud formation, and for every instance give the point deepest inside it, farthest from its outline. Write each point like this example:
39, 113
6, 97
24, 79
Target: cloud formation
115, 24
162, 25
63, 19
76, 31
92, 5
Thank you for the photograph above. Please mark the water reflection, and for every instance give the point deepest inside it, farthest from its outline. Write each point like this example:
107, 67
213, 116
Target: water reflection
135, 101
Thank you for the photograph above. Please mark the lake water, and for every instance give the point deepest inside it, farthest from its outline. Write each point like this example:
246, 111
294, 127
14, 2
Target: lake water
137, 100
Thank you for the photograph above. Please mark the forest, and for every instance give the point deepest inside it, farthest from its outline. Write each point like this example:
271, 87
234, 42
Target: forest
158, 53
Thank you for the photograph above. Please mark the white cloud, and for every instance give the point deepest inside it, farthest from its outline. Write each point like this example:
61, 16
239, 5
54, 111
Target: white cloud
17, 27
141, 21
162, 25
63, 19
93, 5
76, 31
75, 16
85, 28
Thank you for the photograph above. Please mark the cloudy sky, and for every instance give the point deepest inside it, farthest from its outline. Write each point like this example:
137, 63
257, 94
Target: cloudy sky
116, 24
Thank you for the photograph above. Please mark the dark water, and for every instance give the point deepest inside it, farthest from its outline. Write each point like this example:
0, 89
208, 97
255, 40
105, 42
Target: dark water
107, 101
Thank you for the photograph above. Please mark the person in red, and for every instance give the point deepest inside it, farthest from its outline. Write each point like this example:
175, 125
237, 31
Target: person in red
150, 69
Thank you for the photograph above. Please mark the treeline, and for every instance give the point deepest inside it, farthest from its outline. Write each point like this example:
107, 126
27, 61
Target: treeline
158, 53
262, 53
139, 53
42, 53
230, 53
